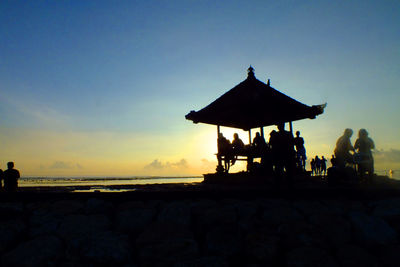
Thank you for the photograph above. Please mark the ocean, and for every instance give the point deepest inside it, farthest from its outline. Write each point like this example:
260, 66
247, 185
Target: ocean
103, 181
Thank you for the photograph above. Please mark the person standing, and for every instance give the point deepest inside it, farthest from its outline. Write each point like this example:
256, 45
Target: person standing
317, 165
1, 178
300, 150
323, 165
11, 177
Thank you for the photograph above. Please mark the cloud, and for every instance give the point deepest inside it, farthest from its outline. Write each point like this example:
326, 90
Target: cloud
158, 165
209, 164
154, 165
390, 156
62, 165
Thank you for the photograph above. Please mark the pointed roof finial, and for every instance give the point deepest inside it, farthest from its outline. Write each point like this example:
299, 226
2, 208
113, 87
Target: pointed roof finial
250, 72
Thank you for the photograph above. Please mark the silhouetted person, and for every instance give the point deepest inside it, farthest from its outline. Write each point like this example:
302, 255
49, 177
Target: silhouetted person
343, 148
283, 150
364, 145
312, 164
237, 147
224, 149
333, 161
317, 165
1, 178
11, 177
323, 165
300, 150
259, 142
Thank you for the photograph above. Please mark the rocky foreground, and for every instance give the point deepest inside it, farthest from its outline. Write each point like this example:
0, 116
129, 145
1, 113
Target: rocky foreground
258, 231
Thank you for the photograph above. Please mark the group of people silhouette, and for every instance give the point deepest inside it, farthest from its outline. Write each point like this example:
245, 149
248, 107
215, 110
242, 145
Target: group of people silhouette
9, 178
360, 154
318, 165
283, 153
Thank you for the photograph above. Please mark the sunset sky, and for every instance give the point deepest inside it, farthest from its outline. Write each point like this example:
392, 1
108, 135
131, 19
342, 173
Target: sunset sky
101, 88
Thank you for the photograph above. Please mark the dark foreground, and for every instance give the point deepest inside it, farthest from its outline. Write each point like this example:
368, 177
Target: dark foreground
308, 224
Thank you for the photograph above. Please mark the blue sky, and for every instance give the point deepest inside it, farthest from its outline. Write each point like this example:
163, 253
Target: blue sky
106, 84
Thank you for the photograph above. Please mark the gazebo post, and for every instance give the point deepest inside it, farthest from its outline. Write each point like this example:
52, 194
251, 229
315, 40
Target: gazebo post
250, 136
291, 127
220, 168
262, 131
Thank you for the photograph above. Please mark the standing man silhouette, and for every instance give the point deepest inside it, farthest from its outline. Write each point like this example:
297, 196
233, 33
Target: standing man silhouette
11, 177
1, 178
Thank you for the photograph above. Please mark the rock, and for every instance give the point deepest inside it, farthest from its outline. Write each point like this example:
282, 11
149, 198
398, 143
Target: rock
335, 228
390, 256
95, 205
214, 216
308, 208
309, 256
66, 207
43, 222
247, 215
261, 246
343, 206
300, 234
281, 214
10, 233
11, 210
132, 221
372, 231
209, 261
224, 241
106, 248
41, 251
175, 212
163, 244
75, 227
349, 256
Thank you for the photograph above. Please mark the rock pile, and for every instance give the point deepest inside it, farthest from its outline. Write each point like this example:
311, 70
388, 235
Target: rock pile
201, 232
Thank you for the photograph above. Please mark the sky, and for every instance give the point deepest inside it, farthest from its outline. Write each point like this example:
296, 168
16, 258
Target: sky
101, 88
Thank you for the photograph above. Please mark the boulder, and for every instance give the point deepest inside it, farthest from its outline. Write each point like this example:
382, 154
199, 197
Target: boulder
95, 206
164, 243
224, 240
132, 221
277, 215
78, 226
350, 256
175, 212
11, 232
372, 231
106, 248
334, 228
41, 251
308, 208
11, 210
66, 207
390, 256
261, 246
309, 257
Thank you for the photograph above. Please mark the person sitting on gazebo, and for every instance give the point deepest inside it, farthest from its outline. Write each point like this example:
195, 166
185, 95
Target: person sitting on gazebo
237, 147
224, 149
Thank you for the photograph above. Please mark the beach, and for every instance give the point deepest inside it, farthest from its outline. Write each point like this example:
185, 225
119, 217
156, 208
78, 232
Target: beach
197, 224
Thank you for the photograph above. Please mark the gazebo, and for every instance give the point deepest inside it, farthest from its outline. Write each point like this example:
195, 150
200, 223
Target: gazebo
254, 104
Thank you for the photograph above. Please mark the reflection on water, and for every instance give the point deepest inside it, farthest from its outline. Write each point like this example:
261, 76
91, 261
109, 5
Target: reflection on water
36, 181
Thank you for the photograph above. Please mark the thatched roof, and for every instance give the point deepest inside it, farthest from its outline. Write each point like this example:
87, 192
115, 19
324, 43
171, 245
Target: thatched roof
252, 104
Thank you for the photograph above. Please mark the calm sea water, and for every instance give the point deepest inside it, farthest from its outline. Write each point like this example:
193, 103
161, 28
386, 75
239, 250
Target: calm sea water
103, 181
